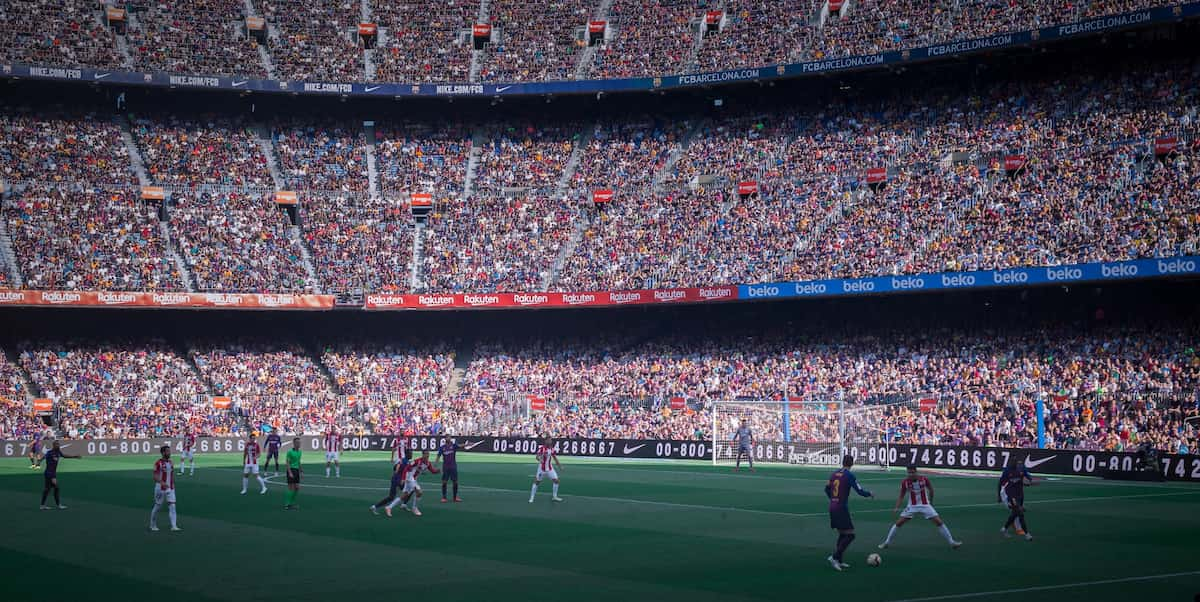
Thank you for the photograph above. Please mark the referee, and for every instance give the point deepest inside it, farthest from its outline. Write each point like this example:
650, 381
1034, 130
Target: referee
293, 476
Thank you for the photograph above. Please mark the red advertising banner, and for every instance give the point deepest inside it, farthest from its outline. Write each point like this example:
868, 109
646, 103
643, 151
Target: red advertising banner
597, 26
286, 197
1014, 162
927, 405
367, 29
153, 193
421, 199
43, 404
1165, 146
256, 23
876, 175
221, 403
678, 403
482, 30
536, 300
747, 188
713, 17
835, 5
537, 404
113, 13
186, 300
602, 196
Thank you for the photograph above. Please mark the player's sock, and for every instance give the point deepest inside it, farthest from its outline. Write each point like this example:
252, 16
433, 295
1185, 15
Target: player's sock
57, 502
414, 502
890, 535
45, 492
171, 514
338, 469
154, 515
945, 531
245, 482
326, 472
262, 483
1012, 517
843, 543
393, 503
554, 490
456, 490
443, 491
1020, 518
532, 493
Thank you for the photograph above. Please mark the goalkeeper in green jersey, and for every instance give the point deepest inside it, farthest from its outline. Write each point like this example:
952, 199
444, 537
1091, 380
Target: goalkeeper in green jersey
293, 476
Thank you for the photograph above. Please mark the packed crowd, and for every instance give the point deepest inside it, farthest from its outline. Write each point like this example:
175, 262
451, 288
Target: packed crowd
627, 156
525, 155
429, 158
650, 37
758, 33
321, 156
212, 150
1103, 388
237, 243
205, 37
538, 41
57, 33
360, 243
62, 147
70, 239
314, 40
423, 41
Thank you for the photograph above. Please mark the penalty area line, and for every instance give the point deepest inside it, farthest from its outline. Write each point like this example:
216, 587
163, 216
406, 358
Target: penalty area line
1044, 588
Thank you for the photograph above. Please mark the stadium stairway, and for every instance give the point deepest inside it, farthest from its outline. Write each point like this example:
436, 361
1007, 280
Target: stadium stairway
189, 358
463, 356
185, 274
266, 144
121, 43
263, 54
583, 65
414, 277
580, 223
477, 143
9, 258
135, 155
310, 270
31, 388
372, 162
477, 56
668, 168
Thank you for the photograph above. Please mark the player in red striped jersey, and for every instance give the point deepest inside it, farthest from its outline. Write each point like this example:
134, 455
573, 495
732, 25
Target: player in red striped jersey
919, 492
250, 463
399, 444
548, 466
164, 489
412, 488
189, 452
333, 448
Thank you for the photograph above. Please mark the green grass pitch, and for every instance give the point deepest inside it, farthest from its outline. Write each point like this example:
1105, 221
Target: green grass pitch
627, 531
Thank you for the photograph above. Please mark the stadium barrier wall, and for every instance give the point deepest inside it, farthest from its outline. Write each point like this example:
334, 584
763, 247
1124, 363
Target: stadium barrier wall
1140, 18
1175, 467
1014, 277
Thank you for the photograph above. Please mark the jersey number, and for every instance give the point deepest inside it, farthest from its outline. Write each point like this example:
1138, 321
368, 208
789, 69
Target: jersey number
834, 486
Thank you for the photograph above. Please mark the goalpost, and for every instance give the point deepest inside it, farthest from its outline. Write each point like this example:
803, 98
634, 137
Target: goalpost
815, 432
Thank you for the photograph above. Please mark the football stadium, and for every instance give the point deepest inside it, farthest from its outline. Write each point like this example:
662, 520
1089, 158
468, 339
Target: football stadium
875, 300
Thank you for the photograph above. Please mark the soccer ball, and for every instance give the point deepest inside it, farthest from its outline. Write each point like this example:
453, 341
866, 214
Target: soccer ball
874, 560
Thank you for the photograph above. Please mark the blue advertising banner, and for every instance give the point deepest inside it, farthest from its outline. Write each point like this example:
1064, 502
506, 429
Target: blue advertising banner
1067, 274
370, 89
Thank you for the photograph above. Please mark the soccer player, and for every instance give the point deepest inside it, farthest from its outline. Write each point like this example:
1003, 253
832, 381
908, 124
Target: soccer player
274, 441
35, 452
446, 454
293, 475
399, 443
412, 488
399, 475
1012, 494
548, 466
250, 465
189, 452
164, 489
333, 445
919, 492
52, 456
744, 438
838, 491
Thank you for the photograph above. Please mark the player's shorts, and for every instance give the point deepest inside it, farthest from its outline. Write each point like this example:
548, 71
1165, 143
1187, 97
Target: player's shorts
922, 510
547, 474
48, 478
1011, 501
272, 453
840, 519
161, 496
449, 474
331, 456
745, 448
411, 485
251, 469
293, 476
187, 454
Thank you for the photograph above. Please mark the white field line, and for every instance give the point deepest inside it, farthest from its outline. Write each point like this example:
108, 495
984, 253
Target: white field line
1043, 588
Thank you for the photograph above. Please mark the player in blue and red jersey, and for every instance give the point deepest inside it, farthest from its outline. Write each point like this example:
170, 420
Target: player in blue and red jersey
446, 454
274, 441
838, 491
399, 475
1012, 494
52, 456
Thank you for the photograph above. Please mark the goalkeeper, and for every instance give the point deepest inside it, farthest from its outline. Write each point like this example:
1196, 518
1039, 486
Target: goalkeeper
744, 438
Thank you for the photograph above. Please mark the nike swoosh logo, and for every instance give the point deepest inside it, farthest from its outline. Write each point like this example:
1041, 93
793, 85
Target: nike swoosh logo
102, 75
502, 88
241, 83
372, 88
630, 450
1031, 464
470, 446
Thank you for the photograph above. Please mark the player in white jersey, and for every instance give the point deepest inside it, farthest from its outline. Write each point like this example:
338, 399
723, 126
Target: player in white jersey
188, 455
250, 464
399, 444
333, 448
412, 488
164, 489
548, 466
918, 492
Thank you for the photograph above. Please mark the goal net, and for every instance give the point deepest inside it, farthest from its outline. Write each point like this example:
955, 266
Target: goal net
804, 432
